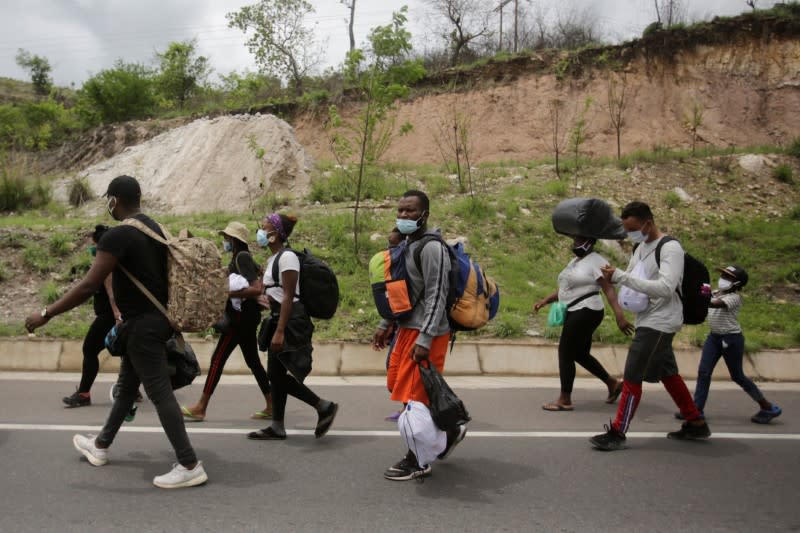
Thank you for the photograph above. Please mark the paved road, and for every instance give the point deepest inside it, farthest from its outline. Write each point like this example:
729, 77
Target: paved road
520, 469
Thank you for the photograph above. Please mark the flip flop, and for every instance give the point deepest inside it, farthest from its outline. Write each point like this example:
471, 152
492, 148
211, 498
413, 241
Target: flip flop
190, 416
262, 415
614, 395
552, 406
265, 434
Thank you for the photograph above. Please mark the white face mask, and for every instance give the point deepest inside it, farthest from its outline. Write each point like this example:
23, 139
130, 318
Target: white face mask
637, 236
723, 284
108, 206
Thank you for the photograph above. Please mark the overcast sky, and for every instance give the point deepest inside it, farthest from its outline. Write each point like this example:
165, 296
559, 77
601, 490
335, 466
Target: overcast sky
82, 37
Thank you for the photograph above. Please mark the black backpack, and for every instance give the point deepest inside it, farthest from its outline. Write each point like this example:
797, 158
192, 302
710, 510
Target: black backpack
695, 275
319, 289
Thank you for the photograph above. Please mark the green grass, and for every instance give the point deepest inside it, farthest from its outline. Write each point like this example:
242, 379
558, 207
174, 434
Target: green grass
507, 228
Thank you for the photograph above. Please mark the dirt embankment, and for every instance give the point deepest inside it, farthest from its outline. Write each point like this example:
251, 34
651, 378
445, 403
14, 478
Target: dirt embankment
747, 89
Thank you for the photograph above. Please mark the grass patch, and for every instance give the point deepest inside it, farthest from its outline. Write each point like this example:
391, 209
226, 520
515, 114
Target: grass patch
50, 292
672, 200
783, 173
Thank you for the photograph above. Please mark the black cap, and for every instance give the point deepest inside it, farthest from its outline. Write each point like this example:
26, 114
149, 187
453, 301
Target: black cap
124, 187
737, 273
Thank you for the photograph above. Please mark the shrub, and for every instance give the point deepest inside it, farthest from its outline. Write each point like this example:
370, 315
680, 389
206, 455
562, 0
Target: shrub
794, 213
794, 148
3, 272
50, 292
783, 173
672, 200
16, 194
38, 258
556, 188
79, 192
59, 244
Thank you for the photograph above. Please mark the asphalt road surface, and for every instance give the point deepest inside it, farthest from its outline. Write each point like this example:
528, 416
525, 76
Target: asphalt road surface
519, 468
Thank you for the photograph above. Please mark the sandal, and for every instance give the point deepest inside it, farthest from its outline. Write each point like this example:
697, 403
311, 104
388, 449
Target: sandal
266, 414
190, 416
265, 434
614, 395
553, 406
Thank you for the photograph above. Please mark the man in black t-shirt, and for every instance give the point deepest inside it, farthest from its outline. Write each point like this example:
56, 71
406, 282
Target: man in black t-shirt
146, 328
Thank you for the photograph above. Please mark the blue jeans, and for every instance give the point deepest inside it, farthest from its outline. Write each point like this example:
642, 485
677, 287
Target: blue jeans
731, 347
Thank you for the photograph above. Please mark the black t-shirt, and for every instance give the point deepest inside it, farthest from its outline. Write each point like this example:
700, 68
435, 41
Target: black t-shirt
145, 258
244, 265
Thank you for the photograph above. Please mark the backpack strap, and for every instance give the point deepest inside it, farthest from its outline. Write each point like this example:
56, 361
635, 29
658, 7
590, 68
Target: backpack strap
141, 226
425, 240
664, 240
276, 275
582, 298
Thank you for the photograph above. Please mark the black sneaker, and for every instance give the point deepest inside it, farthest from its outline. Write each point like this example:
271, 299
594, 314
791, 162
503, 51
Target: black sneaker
77, 400
453, 438
690, 432
407, 469
609, 441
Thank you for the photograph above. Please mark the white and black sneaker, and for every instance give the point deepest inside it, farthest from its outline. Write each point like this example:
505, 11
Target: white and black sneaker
407, 469
453, 438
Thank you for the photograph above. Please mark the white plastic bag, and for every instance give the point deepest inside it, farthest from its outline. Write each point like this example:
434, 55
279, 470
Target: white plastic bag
420, 433
631, 300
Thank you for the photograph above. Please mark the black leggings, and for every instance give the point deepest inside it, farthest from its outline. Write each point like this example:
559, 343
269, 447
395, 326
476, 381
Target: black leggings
93, 344
243, 336
575, 346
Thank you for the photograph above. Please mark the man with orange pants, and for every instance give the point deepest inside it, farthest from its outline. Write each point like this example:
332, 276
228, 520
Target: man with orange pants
425, 332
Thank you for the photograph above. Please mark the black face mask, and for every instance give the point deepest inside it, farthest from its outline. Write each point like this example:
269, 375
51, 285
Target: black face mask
583, 250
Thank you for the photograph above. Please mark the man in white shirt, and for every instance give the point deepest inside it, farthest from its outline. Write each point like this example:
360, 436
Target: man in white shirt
650, 356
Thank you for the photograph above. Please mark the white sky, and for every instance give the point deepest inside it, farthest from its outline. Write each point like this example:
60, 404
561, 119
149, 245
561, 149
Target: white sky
82, 37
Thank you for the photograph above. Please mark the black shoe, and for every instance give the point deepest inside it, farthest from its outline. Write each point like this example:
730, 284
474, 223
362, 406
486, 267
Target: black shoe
453, 438
690, 432
77, 400
609, 441
407, 469
325, 420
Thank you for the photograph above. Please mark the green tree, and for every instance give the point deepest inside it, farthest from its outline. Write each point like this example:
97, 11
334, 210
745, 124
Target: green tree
39, 68
280, 42
124, 92
380, 76
181, 72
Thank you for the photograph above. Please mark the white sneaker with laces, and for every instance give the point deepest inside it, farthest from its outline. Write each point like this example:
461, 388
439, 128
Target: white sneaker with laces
180, 477
85, 445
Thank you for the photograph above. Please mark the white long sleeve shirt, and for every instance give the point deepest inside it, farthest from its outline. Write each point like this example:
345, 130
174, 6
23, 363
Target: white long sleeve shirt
665, 311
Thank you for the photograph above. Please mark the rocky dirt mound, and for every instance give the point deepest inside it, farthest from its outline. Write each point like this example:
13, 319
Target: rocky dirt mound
218, 164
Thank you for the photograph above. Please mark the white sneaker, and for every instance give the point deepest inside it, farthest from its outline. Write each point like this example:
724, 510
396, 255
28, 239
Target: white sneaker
85, 445
180, 477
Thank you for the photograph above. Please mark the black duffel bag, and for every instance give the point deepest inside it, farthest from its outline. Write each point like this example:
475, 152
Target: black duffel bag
587, 217
182, 362
447, 409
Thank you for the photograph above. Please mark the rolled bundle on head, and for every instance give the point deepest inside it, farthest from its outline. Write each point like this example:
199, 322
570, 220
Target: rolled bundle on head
587, 217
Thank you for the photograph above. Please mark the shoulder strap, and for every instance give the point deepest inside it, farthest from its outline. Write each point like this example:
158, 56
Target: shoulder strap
424, 241
582, 298
665, 239
276, 275
236, 261
148, 294
141, 226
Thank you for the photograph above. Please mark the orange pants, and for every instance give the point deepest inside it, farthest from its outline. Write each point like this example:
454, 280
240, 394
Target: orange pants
402, 378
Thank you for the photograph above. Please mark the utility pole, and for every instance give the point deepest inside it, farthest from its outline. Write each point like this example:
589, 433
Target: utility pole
499, 8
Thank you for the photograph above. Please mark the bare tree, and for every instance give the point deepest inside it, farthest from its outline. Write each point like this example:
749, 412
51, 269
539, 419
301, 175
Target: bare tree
467, 21
618, 99
453, 139
751, 4
558, 130
669, 12
694, 119
351, 5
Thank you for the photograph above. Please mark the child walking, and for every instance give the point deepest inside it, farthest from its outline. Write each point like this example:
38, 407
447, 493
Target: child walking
727, 341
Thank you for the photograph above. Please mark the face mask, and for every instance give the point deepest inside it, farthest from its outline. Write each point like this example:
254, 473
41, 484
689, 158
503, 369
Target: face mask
109, 208
582, 250
261, 238
407, 227
723, 284
227, 246
637, 236
93, 251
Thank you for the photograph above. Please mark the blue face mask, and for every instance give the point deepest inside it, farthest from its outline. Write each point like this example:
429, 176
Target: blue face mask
227, 246
262, 239
407, 227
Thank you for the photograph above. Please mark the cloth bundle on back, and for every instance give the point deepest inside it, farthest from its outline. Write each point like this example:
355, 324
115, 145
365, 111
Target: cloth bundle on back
588, 217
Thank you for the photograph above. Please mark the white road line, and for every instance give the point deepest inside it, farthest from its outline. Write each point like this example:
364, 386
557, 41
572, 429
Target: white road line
387, 433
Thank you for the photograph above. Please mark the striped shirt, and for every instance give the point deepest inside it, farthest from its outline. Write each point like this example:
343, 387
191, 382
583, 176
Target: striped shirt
724, 320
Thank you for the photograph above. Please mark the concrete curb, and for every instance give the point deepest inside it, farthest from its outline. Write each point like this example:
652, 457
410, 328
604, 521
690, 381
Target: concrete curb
506, 358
